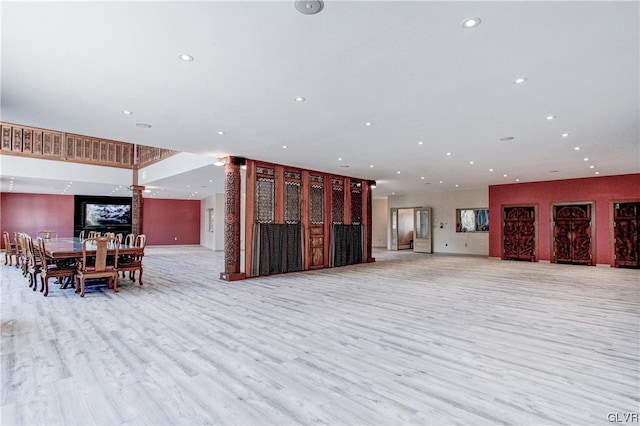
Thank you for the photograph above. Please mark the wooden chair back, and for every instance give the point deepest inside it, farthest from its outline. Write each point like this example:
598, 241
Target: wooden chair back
130, 240
47, 235
101, 245
141, 241
81, 235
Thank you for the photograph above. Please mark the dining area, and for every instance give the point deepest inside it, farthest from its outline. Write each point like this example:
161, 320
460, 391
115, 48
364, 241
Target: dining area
90, 260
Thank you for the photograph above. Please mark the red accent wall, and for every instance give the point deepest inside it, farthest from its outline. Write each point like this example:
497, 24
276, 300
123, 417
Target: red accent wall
165, 220
599, 190
31, 213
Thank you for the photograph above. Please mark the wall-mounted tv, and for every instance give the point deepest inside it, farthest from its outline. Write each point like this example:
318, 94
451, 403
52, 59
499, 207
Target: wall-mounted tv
101, 215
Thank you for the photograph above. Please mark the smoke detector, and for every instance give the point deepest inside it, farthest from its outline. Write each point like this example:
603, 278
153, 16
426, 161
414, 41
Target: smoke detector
309, 7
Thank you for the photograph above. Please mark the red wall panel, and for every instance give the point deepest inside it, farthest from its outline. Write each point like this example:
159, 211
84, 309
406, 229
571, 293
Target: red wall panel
31, 213
171, 221
600, 190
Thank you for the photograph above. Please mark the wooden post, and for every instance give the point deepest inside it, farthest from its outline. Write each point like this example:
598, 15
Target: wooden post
137, 203
232, 220
367, 219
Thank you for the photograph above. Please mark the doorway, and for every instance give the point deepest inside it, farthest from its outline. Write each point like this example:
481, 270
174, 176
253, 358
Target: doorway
411, 229
572, 234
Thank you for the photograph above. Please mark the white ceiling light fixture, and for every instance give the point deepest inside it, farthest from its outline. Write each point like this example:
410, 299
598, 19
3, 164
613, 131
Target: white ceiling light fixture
300, 99
368, 124
309, 7
185, 58
221, 133
471, 22
420, 142
127, 112
550, 117
565, 135
520, 80
448, 154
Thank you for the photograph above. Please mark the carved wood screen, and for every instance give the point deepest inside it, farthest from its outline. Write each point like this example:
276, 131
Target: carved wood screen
315, 201
626, 218
572, 234
518, 233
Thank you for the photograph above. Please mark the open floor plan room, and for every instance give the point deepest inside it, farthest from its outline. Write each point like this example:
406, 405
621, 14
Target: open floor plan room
409, 339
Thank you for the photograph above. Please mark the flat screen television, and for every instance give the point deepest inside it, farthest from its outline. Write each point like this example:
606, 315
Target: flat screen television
106, 215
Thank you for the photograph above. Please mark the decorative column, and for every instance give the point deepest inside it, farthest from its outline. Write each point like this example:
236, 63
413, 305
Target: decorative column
137, 202
232, 220
368, 219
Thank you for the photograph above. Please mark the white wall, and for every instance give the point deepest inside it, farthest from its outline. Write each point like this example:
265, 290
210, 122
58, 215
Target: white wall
215, 240
380, 217
444, 205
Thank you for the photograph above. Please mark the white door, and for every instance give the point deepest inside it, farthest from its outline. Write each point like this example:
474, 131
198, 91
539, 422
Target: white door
422, 234
393, 217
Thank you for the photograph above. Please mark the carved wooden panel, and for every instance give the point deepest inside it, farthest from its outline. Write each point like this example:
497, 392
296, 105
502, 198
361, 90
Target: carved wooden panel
265, 194
572, 234
316, 200
519, 233
27, 141
626, 218
356, 202
292, 193
316, 246
16, 139
337, 200
6, 138
37, 142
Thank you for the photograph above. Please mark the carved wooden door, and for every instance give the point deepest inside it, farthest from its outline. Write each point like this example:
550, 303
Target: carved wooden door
316, 222
519, 233
572, 234
626, 217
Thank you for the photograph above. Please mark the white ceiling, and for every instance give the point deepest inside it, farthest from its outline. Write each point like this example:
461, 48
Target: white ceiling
410, 68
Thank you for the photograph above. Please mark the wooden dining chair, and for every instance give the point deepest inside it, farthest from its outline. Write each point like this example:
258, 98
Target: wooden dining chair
49, 269
22, 252
81, 235
10, 249
132, 263
47, 235
34, 263
104, 266
17, 241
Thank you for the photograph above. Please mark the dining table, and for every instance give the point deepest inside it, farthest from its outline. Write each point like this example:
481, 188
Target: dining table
71, 248
67, 252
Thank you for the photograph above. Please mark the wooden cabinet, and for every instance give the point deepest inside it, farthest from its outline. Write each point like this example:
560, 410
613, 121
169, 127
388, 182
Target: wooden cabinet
572, 234
519, 233
626, 234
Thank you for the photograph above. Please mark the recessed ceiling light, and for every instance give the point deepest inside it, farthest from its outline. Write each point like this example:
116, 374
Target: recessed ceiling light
490, 170
520, 80
504, 175
550, 117
398, 172
420, 142
592, 166
448, 153
457, 185
471, 22
586, 158
517, 180
221, 132
441, 181
577, 148
368, 123
126, 112
565, 135
300, 99
507, 138
143, 125
597, 173
393, 193
339, 158
422, 178
284, 147
186, 58
470, 162
371, 165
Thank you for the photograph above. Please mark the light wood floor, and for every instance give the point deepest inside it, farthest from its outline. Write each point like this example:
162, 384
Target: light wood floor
411, 339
